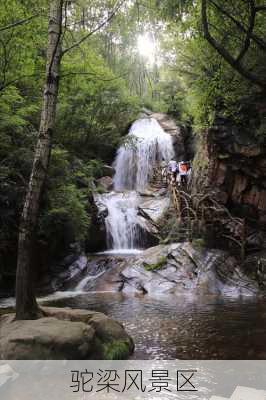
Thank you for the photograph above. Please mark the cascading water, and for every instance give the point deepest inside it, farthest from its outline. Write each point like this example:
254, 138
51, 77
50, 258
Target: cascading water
121, 222
147, 146
134, 163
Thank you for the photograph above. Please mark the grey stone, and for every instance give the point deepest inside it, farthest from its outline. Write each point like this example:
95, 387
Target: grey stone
63, 333
45, 338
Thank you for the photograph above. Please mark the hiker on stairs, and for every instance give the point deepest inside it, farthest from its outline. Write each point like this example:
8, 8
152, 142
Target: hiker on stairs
183, 172
172, 171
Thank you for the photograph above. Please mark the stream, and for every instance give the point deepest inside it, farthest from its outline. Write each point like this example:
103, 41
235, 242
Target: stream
171, 328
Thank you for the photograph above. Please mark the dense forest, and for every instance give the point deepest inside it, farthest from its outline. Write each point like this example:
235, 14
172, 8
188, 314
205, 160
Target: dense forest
75, 75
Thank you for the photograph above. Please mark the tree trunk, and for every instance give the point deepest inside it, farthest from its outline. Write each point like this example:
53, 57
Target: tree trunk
26, 304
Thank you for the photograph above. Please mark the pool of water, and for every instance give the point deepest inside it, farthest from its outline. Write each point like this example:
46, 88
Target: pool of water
183, 328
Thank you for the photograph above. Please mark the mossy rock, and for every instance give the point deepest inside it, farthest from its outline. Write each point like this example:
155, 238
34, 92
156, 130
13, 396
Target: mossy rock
64, 333
115, 350
199, 244
162, 261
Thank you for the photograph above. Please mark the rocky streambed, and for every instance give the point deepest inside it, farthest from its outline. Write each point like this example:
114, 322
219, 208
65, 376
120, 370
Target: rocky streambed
178, 269
175, 301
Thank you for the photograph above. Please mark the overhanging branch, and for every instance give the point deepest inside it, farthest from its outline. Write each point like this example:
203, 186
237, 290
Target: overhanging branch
260, 8
246, 45
259, 41
97, 77
18, 23
235, 64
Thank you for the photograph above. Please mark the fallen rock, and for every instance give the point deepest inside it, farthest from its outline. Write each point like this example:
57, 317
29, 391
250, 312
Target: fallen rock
64, 334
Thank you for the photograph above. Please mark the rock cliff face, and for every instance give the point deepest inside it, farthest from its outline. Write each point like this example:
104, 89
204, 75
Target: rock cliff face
238, 167
231, 161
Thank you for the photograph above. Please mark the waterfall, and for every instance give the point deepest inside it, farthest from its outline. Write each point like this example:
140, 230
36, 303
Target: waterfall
121, 222
147, 144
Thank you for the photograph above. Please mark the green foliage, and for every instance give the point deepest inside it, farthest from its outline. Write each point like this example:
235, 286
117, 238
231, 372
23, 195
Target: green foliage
94, 109
17, 134
64, 217
211, 85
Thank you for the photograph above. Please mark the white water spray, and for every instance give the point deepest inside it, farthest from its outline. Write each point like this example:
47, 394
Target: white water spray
149, 144
121, 223
135, 163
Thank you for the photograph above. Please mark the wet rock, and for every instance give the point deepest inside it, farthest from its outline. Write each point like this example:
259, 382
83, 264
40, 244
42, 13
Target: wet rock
150, 211
155, 208
64, 276
63, 334
105, 273
108, 171
177, 132
106, 183
256, 197
240, 185
166, 122
181, 268
255, 265
96, 237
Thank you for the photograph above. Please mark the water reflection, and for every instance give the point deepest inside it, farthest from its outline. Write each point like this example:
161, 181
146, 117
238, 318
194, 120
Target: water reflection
194, 328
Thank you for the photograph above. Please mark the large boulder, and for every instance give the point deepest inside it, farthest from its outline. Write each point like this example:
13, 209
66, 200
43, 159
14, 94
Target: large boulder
63, 334
45, 338
182, 268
